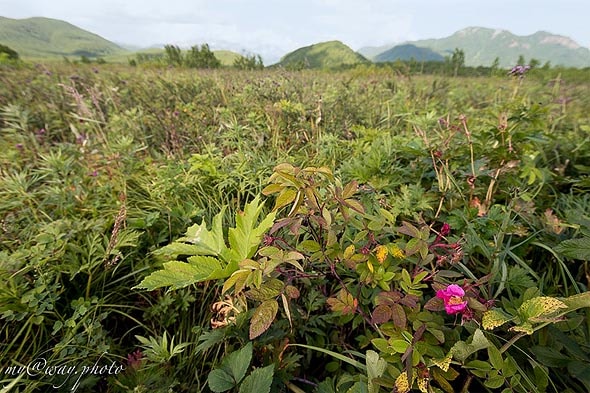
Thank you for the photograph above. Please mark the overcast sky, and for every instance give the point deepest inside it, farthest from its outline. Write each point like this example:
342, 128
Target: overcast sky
275, 27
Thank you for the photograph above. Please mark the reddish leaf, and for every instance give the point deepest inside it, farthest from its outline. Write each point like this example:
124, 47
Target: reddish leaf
410, 301
344, 302
435, 304
398, 315
389, 298
381, 314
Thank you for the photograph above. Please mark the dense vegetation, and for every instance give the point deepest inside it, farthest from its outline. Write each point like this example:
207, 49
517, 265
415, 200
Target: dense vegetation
366, 230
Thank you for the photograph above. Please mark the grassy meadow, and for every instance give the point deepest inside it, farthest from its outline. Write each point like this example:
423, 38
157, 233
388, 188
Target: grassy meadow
364, 230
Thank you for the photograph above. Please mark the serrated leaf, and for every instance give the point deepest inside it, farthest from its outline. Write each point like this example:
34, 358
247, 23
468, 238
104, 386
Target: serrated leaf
209, 242
350, 189
245, 238
354, 205
268, 290
177, 248
220, 381
398, 315
259, 381
344, 303
409, 229
238, 280
175, 275
236, 363
263, 317
208, 268
381, 314
435, 304
575, 248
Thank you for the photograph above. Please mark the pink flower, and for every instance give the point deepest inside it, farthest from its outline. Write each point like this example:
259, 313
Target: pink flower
453, 298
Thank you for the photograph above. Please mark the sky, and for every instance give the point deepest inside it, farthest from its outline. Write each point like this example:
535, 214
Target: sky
273, 28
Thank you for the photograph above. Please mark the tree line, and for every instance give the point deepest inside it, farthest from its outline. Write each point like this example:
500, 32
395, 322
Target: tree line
196, 57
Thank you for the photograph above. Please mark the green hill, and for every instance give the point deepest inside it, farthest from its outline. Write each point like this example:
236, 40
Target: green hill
226, 57
408, 52
481, 46
51, 38
331, 54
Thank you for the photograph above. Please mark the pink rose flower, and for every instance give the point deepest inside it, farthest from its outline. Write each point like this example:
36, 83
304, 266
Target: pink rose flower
452, 296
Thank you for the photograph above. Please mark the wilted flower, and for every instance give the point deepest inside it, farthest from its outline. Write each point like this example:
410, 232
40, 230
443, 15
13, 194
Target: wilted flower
452, 296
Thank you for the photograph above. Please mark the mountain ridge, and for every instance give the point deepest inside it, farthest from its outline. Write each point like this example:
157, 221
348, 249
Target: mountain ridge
483, 45
47, 37
40, 37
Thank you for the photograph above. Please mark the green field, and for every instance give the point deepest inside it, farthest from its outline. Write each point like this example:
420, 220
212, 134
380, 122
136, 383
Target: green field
367, 230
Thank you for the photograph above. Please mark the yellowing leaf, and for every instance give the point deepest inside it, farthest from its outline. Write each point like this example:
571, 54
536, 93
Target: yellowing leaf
541, 306
263, 317
287, 196
443, 363
493, 318
344, 302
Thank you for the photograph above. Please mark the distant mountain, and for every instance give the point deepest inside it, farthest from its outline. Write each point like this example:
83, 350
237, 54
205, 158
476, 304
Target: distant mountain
482, 45
371, 51
44, 37
331, 54
408, 52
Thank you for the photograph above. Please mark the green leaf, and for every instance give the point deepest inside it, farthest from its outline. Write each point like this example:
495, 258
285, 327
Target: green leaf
220, 381
355, 363
375, 368
495, 357
263, 317
538, 307
575, 248
268, 290
259, 381
245, 238
237, 363
494, 382
175, 275
209, 242
285, 197
409, 229
462, 350
576, 302
178, 274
